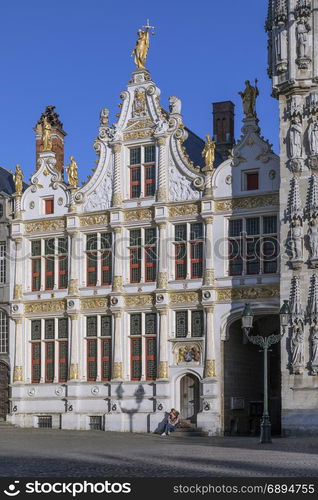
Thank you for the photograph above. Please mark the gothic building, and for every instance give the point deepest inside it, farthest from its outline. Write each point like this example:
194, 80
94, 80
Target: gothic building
127, 293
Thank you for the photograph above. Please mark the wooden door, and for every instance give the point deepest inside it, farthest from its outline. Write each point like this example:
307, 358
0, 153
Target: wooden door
189, 398
4, 390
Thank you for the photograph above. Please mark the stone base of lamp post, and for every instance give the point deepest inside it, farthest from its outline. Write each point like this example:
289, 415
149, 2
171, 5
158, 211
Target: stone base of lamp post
265, 430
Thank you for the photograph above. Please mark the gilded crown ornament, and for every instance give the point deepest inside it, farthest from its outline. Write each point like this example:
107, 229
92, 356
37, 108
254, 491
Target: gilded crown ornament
17, 178
72, 172
142, 45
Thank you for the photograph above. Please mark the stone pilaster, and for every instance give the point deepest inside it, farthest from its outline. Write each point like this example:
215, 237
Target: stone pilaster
118, 261
162, 176
162, 281
117, 197
118, 356
18, 358
74, 365
17, 291
209, 272
209, 367
73, 283
163, 337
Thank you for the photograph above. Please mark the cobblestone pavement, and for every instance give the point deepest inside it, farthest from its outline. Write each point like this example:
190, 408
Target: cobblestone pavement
61, 453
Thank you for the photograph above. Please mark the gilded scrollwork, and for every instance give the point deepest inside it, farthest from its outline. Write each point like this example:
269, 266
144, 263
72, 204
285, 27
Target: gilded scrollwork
243, 293
142, 214
44, 306
248, 202
139, 300
94, 220
43, 226
183, 210
95, 303
184, 297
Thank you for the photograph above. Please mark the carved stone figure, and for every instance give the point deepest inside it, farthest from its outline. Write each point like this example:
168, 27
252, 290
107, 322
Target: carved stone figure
313, 238
313, 136
104, 116
139, 105
295, 139
314, 349
249, 99
17, 178
72, 173
302, 30
174, 104
208, 153
46, 135
180, 188
296, 239
280, 42
297, 347
141, 48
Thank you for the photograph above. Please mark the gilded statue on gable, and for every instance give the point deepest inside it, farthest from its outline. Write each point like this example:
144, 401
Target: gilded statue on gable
72, 172
46, 135
17, 178
208, 153
249, 99
142, 45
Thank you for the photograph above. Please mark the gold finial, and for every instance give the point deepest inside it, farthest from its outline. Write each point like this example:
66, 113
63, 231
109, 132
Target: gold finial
72, 173
208, 153
46, 135
17, 178
142, 45
249, 99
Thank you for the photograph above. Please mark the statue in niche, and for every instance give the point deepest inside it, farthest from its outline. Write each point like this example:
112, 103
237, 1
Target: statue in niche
46, 135
313, 136
174, 104
314, 349
297, 347
296, 239
17, 179
313, 238
302, 31
249, 99
281, 45
295, 132
104, 116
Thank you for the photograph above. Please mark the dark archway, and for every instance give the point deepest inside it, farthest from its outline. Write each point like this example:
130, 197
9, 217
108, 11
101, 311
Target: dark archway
4, 390
244, 382
189, 397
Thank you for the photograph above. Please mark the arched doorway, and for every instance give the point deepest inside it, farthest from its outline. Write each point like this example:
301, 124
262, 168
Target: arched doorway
244, 382
189, 397
4, 390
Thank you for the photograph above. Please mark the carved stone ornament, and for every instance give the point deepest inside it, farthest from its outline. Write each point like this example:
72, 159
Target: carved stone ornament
243, 293
118, 369
94, 220
209, 368
142, 214
313, 361
302, 38
139, 300
117, 283
296, 244
44, 306
247, 202
162, 280
297, 348
73, 287
139, 104
17, 374
184, 298
163, 369
44, 226
209, 277
174, 105
188, 353
180, 187
95, 303
17, 292
74, 372
183, 210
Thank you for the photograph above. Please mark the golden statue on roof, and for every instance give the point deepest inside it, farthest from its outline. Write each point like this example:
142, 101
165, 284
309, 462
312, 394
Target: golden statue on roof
72, 172
208, 153
142, 45
46, 135
17, 178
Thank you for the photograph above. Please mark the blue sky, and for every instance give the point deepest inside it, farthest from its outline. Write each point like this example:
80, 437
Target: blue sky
75, 54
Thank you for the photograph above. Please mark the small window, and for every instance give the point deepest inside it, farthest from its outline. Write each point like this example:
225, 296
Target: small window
106, 326
95, 423
251, 181
181, 323
135, 324
91, 326
45, 422
49, 206
63, 328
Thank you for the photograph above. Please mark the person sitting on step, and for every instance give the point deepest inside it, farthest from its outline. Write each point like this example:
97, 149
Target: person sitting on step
172, 423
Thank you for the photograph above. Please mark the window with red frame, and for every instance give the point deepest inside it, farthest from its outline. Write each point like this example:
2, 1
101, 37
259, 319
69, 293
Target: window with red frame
91, 359
151, 361
36, 265
196, 249
142, 170
106, 348
181, 251
91, 256
49, 362
135, 255
63, 262
135, 346
150, 254
63, 361
106, 258
251, 181
49, 264
36, 362
49, 206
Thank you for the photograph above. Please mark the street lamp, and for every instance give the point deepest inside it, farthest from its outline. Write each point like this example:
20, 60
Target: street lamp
265, 343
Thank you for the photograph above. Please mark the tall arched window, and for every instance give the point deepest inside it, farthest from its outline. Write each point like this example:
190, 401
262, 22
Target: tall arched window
3, 332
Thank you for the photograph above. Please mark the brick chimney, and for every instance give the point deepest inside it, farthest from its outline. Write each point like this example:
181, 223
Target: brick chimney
57, 134
223, 127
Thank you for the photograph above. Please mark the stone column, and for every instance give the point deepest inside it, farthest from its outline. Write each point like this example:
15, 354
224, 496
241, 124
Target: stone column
118, 356
74, 365
17, 291
162, 281
117, 197
17, 205
209, 271
208, 182
162, 177
73, 283
18, 363
209, 367
163, 347
118, 261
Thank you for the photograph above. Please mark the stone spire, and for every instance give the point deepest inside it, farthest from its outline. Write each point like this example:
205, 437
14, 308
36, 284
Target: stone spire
295, 300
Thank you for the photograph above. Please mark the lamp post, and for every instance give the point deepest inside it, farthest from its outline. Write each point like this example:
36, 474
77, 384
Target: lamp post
265, 343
